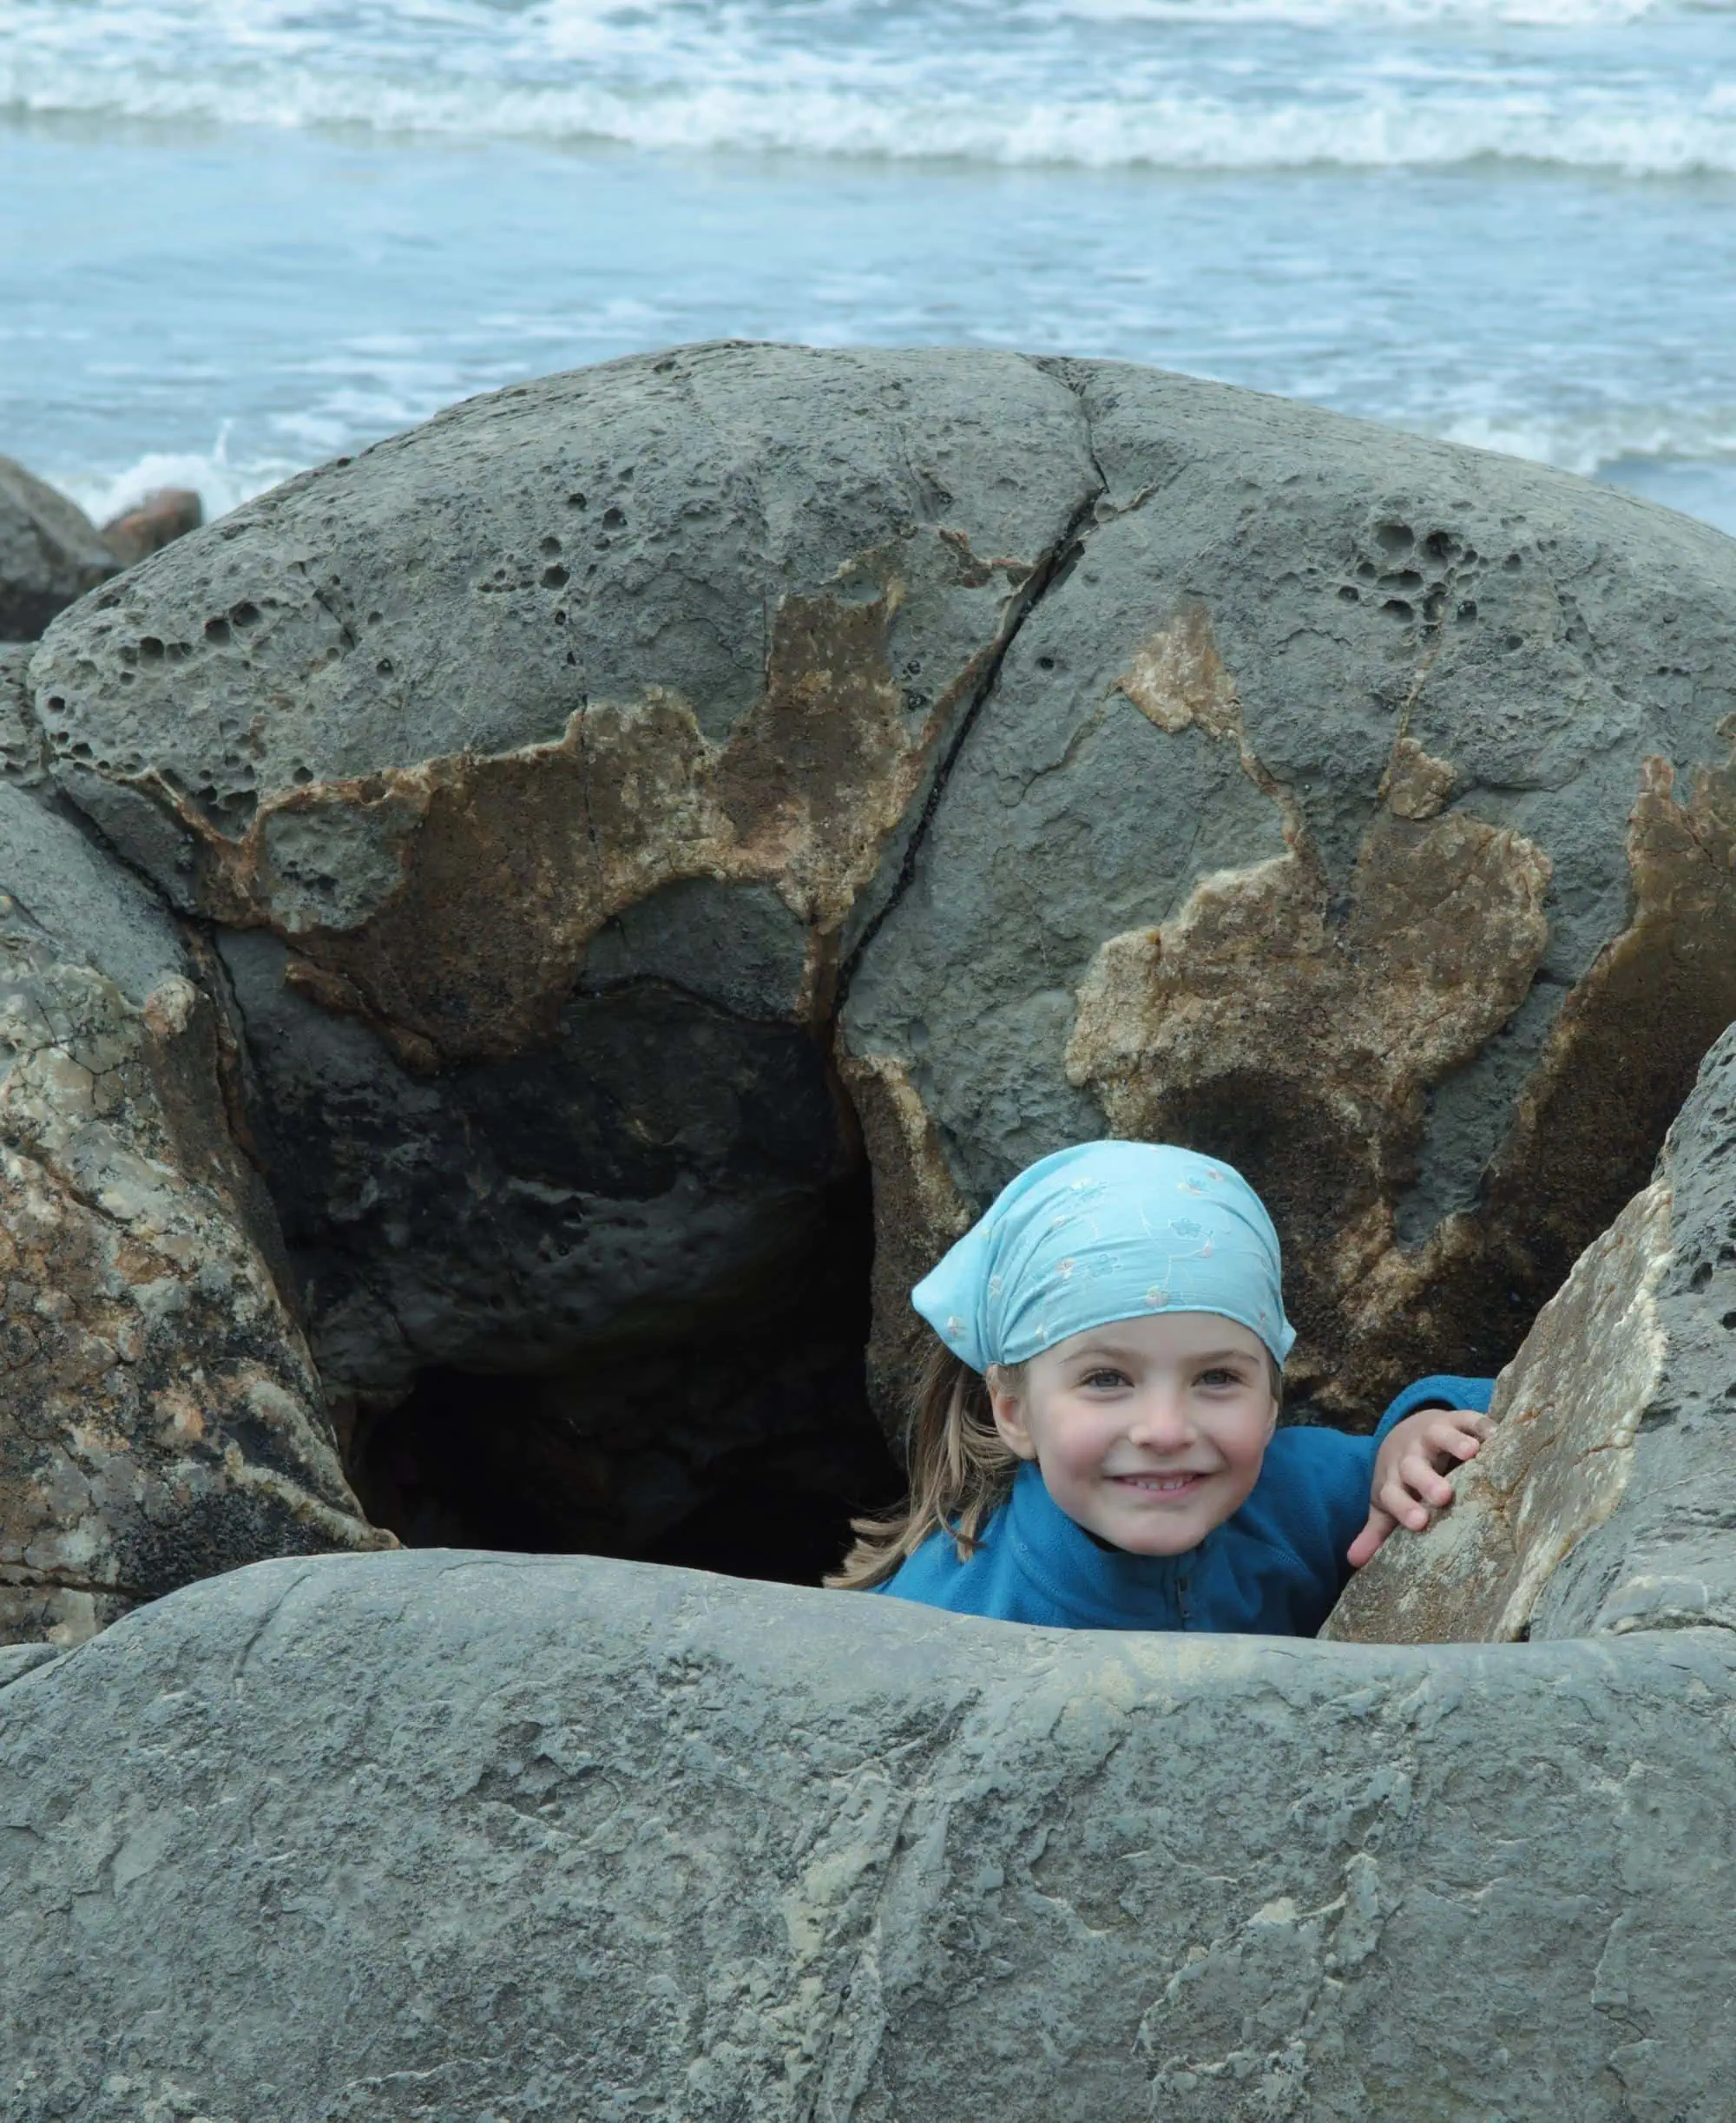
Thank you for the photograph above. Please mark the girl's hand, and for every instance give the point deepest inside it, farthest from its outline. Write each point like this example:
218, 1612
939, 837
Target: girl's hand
1410, 1473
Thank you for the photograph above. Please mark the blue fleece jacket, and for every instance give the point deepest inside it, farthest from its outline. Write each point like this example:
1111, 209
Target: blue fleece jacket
1275, 1567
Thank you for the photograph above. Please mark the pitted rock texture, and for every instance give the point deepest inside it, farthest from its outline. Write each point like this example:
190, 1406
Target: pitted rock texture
160, 1418
443, 1837
51, 553
599, 791
1356, 808
1606, 1500
539, 767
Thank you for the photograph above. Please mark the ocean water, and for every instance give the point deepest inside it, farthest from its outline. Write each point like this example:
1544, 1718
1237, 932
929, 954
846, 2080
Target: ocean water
238, 236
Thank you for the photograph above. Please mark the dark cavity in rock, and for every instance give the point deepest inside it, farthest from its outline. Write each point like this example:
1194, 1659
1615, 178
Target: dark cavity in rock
743, 1444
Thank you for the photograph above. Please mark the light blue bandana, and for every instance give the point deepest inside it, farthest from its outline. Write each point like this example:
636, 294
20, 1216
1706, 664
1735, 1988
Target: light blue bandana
1107, 1230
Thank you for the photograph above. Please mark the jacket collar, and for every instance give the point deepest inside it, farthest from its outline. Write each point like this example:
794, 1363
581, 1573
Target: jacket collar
1103, 1586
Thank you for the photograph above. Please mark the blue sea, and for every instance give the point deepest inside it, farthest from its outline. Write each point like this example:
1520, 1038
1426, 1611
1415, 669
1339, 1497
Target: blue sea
240, 236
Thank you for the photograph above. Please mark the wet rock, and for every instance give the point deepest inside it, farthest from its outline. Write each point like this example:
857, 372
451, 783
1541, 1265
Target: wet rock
465, 1834
158, 520
160, 1418
1605, 1501
51, 553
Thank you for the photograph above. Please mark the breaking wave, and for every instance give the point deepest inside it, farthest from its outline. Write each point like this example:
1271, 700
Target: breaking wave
1639, 87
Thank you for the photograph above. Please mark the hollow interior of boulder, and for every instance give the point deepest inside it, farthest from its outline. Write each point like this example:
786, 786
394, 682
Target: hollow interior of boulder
743, 1444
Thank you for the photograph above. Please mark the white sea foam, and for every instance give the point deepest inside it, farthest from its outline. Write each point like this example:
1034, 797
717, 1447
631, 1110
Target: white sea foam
1590, 447
221, 483
323, 292
1642, 87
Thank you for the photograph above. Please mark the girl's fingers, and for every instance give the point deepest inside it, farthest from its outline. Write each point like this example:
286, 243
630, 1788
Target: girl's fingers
1420, 1476
1397, 1500
1368, 1541
1416, 1489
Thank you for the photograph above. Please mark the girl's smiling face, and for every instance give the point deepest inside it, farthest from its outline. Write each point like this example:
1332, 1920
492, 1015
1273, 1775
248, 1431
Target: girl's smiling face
1150, 1431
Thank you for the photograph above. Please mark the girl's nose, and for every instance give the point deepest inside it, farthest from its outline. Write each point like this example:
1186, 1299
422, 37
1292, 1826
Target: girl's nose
1160, 1423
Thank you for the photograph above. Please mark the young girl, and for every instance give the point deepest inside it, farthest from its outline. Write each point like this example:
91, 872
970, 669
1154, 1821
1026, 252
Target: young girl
1095, 1444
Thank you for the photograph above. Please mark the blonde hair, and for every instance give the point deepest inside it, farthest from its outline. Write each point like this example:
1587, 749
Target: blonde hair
960, 1472
961, 1468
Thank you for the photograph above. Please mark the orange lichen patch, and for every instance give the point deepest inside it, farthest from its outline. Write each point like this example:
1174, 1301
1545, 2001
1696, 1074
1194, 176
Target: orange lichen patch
1567, 1410
1300, 1042
449, 903
919, 1211
510, 866
1178, 680
179, 1418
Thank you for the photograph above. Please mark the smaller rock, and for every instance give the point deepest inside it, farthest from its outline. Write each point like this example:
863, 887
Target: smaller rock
158, 520
24, 756
51, 553
17, 1659
1605, 1502
160, 1419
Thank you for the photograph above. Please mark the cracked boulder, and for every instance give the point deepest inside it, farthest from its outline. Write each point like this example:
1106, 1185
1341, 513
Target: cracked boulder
159, 1417
422, 1838
1605, 1502
51, 553
624, 803
1355, 807
538, 771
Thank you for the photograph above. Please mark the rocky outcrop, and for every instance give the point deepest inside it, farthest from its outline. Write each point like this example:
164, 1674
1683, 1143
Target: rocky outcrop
463, 1835
628, 805
23, 751
51, 553
1606, 1500
160, 1418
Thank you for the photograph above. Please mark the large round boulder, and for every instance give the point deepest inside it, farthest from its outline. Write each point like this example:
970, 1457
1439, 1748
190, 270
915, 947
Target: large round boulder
624, 803
538, 771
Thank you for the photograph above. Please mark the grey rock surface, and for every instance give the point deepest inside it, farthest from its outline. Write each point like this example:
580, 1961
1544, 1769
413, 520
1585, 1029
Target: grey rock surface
1323, 816
159, 1417
17, 1659
448, 1836
51, 553
23, 753
536, 765
1606, 1500
587, 787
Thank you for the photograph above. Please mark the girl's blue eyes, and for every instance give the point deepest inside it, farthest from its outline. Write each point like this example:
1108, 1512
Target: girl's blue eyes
1217, 1377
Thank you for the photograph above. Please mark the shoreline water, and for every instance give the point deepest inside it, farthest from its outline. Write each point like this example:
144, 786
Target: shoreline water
1295, 198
